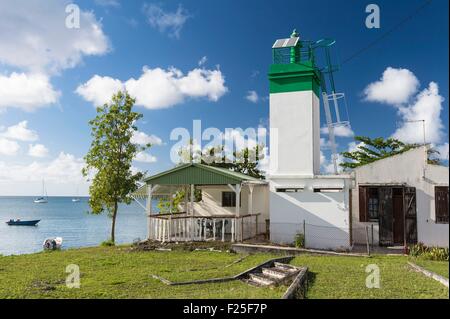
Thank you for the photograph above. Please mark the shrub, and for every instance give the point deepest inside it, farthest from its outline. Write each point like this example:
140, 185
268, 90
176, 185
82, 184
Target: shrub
431, 253
299, 240
107, 243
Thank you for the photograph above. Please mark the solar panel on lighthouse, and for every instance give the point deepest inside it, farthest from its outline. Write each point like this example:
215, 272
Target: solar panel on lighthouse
286, 43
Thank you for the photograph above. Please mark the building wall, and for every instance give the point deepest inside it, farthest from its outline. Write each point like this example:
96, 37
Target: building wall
295, 133
410, 168
326, 214
211, 203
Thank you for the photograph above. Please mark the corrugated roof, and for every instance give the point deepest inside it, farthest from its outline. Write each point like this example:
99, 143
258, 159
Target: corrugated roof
199, 174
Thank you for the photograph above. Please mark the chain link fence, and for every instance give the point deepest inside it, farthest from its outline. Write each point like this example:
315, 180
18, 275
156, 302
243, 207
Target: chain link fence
312, 236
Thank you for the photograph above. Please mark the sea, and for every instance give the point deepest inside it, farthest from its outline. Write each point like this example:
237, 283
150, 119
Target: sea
61, 217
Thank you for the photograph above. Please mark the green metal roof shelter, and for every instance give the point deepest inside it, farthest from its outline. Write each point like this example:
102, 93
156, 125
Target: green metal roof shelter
191, 175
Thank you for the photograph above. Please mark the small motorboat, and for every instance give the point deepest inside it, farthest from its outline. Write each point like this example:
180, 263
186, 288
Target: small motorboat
18, 222
52, 243
75, 200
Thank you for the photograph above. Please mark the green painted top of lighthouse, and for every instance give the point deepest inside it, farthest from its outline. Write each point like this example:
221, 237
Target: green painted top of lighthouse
293, 67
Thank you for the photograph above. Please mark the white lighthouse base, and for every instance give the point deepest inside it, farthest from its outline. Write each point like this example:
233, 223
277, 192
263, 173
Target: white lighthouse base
317, 207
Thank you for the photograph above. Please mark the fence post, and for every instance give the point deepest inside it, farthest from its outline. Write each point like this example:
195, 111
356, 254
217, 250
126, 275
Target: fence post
304, 233
268, 229
367, 240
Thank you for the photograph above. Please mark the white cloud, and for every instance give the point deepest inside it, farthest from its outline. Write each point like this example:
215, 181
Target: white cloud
158, 88
8, 147
327, 165
20, 132
242, 139
443, 151
99, 90
202, 61
142, 138
34, 36
396, 86
66, 168
339, 131
427, 106
37, 150
353, 146
171, 22
26, 91
145, 158
252, 96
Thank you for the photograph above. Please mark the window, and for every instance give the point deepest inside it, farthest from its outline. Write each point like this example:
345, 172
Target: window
441, 204
328, 190
373, 204
289, 190
228, 199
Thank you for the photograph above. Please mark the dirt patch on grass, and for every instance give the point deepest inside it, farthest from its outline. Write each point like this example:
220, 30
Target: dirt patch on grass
151, 245
46, 285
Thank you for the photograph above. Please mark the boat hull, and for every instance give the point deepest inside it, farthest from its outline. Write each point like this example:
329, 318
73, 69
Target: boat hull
23, 222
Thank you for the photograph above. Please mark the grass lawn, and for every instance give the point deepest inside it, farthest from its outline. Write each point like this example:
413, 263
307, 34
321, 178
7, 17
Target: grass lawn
345, 277
116, 272
439, 267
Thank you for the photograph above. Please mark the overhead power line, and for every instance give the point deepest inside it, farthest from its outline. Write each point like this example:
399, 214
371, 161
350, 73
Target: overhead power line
387, 33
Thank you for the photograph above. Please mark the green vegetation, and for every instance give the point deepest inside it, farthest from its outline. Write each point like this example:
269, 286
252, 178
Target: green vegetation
438, 267
119, 272
245, 161
110, 156
345, 277
429, 253
369, 150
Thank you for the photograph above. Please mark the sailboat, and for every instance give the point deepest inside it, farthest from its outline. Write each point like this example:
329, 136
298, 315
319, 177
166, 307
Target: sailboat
76, 199
42, 199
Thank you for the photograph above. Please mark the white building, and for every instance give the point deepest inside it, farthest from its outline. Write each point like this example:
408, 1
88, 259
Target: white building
404, 198
396, 195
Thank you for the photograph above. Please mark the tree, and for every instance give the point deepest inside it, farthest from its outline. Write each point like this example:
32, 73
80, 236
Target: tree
371, 150
110, 156
245, 161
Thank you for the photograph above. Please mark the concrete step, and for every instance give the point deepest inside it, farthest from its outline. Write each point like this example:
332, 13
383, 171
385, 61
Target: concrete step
285, 267
275, 273
261, 279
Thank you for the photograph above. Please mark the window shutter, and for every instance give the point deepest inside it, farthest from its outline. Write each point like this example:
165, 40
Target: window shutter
363, 204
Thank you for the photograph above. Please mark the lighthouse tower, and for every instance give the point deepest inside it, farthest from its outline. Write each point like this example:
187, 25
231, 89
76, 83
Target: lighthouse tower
294, 110
301, 199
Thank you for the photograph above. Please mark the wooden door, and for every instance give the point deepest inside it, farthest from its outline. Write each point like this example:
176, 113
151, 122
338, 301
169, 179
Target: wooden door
386, 224
409, 205
398, 217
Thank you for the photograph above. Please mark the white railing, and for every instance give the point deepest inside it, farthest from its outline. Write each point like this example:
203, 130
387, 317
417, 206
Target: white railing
179, 227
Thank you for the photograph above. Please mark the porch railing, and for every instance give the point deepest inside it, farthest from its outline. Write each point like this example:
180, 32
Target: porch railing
180, 227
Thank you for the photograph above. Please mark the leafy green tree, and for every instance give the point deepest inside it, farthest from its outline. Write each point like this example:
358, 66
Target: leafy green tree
245, 161
110, 156
370, 150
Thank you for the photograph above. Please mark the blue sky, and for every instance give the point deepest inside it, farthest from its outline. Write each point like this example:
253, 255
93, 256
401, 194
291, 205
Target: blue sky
236, 39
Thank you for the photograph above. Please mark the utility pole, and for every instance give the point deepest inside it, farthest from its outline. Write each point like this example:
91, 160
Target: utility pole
423, 127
